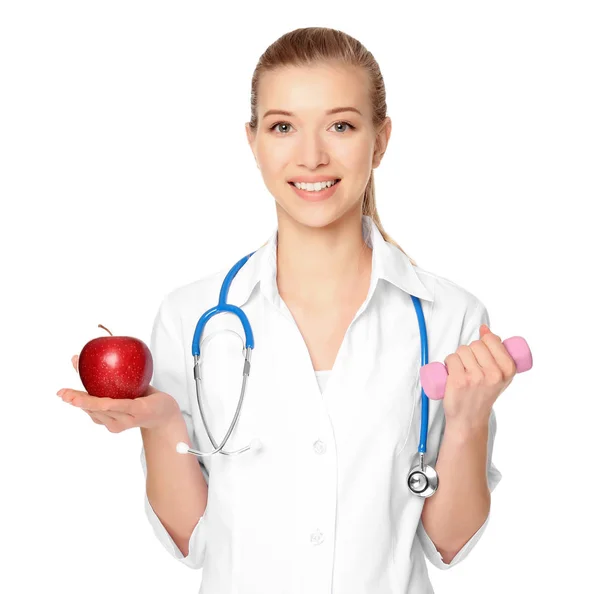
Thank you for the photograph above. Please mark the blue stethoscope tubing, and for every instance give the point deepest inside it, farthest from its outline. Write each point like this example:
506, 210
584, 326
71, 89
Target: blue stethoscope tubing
422, 479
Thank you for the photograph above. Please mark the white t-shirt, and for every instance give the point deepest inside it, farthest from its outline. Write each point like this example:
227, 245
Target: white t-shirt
322, 377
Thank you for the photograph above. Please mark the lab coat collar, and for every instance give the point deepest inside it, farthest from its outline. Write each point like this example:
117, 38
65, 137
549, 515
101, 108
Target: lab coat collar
389, 263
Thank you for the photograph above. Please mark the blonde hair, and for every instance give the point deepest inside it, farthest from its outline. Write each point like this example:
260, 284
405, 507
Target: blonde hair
316, 45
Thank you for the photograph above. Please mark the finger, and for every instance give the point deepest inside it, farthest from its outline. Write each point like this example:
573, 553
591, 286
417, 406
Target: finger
75, 361
113, 406
95, 418
104, 418
101, 417
97, 404
469, 358
501, 356
454, 365
484, 357
67, 394
114, 425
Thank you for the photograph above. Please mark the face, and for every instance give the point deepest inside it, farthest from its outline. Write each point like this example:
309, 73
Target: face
311, 143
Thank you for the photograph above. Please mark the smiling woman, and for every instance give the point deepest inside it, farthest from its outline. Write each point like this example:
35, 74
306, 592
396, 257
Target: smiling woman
315, 71
323, 504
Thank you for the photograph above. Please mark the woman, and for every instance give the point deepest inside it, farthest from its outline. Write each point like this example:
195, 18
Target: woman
334, 393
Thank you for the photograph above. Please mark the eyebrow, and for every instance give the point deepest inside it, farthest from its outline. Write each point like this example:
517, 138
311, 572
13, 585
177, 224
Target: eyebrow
328, 112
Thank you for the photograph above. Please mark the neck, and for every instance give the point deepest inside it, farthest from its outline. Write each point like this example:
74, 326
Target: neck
324, 266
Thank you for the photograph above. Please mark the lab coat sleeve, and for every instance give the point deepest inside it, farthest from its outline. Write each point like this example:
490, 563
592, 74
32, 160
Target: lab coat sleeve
469, 333
166, 346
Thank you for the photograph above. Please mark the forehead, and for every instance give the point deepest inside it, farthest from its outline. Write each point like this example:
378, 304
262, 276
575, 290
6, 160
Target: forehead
310, 90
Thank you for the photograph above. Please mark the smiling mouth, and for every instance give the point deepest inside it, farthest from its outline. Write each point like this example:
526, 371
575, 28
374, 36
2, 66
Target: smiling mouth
337, 181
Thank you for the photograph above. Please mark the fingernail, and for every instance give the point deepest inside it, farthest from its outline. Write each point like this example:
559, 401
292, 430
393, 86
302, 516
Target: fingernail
60, 392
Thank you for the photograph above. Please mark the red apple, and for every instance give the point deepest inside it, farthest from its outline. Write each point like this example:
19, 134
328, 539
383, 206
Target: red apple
115, 366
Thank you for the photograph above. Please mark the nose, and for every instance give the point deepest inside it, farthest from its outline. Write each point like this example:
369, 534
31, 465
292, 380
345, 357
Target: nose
312, 151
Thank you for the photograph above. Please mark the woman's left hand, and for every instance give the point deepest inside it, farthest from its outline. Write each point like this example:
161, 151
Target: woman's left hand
477, 374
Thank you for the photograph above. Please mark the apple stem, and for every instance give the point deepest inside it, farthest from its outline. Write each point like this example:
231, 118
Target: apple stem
101, 326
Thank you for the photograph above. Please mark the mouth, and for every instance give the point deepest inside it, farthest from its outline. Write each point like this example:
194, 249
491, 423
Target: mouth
316, 195
337, 181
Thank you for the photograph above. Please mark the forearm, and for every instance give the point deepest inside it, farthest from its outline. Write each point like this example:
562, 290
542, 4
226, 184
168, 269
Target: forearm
461, 504
175, 485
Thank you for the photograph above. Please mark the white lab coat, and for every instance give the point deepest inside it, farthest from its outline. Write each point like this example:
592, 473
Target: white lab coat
324, 507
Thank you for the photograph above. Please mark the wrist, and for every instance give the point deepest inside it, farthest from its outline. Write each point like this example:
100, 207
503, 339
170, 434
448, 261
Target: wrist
464, 430
174, 424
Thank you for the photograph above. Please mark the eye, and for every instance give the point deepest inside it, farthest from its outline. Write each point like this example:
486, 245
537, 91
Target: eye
287, 124
347, 124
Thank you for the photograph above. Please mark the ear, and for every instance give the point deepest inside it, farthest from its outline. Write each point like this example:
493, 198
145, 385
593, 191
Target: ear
251, 136
249, 133
381, 141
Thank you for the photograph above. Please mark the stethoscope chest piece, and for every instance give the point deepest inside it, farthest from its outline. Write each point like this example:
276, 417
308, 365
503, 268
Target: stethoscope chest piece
422, 479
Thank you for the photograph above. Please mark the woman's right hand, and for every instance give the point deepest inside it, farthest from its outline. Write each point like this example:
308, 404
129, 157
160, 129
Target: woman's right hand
151, 410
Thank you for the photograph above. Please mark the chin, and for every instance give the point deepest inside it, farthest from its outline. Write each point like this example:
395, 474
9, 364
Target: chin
316, 218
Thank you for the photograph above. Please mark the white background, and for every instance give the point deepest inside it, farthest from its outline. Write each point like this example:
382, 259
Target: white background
123, 159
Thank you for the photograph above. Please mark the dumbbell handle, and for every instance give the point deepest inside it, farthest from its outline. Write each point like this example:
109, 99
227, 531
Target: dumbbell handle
435, 375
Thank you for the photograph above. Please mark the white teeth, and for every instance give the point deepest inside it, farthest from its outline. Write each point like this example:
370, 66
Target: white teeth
314, 187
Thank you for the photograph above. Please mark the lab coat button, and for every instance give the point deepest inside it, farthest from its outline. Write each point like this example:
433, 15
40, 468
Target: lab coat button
316, 537
319, 447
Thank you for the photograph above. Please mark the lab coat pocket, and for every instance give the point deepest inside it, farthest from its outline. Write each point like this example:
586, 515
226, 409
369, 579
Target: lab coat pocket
399, 404
392, 399
378, 410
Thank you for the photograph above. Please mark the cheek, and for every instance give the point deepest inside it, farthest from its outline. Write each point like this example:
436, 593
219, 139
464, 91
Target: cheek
353, 154
273, 156
358, 162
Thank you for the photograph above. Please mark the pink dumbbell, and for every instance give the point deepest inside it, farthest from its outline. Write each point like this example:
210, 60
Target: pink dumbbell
435, 375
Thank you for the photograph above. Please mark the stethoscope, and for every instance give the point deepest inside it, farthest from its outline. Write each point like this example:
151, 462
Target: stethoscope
422, 479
